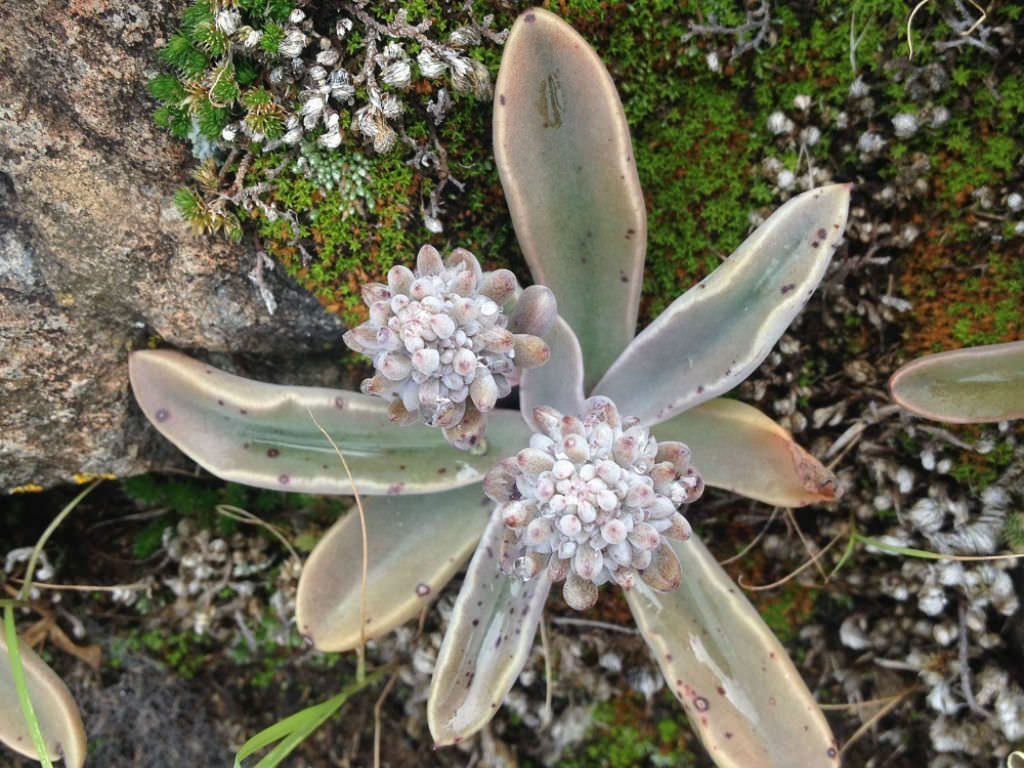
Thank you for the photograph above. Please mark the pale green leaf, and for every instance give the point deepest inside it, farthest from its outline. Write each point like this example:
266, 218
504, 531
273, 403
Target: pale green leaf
487, 643
562, 148
558, 383
737, 448
714, 335
415, 544
974, 384
55, 709
264, 435
742, 694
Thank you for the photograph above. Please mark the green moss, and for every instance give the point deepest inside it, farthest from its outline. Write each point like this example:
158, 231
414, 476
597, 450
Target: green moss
620, 736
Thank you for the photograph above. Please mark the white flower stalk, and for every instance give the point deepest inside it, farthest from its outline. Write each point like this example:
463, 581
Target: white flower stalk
592, 500
442, 345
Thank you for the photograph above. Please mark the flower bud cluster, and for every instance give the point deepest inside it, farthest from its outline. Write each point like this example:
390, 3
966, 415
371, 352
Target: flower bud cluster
593, 499
443, 347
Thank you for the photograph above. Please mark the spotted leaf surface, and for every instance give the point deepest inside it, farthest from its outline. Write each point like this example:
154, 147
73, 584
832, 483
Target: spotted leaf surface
558, 383
566, 163
741, 692
415, 544
56, 711
739, 449
263, 435
964, 386
714, 335
487, 643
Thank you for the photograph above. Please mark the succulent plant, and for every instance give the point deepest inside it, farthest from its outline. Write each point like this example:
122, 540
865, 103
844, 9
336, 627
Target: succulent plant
963, 386
563, 151
442, 345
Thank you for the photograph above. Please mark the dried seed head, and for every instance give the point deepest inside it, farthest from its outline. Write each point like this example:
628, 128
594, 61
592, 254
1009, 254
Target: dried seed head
592, 497
439, 342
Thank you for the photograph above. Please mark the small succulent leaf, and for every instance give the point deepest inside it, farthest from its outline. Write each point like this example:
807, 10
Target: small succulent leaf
964, 386
714, 335
566, 163
56, 711
415, 544
742, 694
487, 643
737, 448
559, 382
263, 435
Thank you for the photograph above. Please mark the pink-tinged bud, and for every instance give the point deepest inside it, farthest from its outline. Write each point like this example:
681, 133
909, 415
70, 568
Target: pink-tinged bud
469, 262
660, 509
644, 537
639, 495
397, 414
610, 472
570, 525
558, 568
587, 562
394, 366
449, 413
362, 339
377, 385
529, 351
586, 512
499, 285
442, 326
464, 283
674, 452
469, 432
573, 426
400, 279
614, 531
679, 529
464, 362
579, 593
563, 469
538, 531
428, 261
625, 577
496, 339
483, 391
664, 475
535, 311
533, 462
426, 360
549, 421
625, 450
575, 447
380, 311
601, 409
514, 514
664, 573
374, 292
399, 302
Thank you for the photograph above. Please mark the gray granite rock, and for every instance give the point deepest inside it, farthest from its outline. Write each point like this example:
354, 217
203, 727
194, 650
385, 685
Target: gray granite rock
95, 260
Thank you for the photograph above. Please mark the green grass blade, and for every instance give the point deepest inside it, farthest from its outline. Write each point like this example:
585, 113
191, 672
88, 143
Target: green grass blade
21, 685
293, 730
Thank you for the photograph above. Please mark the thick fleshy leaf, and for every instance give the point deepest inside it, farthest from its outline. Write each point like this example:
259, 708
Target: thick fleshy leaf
487, 643
562, 148
559, 382
57, 713
739, 449
415, 544
741, 692
262, 434
714, 335
964, 386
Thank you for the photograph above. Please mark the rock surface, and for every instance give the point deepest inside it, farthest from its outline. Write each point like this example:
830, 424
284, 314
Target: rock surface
94, 259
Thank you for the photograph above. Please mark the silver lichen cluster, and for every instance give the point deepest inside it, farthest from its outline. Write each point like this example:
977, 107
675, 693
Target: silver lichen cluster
320, 65
592, 499
449, 339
